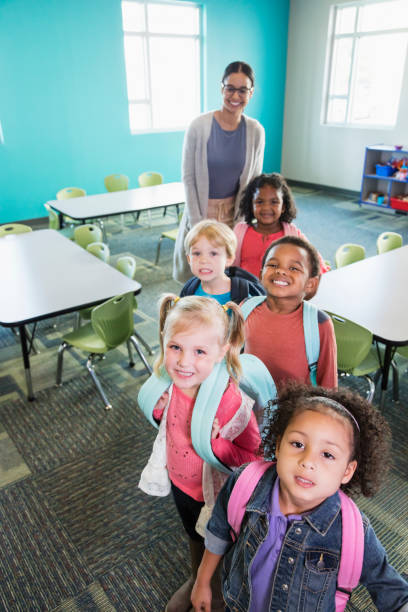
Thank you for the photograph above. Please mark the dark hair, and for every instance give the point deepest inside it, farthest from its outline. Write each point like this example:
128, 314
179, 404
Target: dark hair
371, 442
239, 67
302, 244
276, 181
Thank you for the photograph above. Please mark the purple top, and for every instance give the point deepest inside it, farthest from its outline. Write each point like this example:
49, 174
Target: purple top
226, 154
263, 565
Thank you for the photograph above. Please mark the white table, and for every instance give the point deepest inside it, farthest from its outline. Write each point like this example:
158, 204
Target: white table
43, 274
373, 293
120, 202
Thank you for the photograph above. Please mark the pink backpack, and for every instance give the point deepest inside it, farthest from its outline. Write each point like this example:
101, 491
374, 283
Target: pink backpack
352, 541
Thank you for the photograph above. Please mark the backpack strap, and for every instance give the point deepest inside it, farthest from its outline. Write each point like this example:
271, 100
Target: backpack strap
256, 380
310, 327
352, 551
312, 338
205, 408
248, 306
150, 393
241, 494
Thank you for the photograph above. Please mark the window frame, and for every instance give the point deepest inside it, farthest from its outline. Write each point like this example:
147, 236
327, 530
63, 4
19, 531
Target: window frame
354, 35
146, 35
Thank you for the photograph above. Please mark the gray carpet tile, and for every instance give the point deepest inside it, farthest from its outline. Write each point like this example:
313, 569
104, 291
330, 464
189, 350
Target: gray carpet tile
39, 565
148, 581
97, 500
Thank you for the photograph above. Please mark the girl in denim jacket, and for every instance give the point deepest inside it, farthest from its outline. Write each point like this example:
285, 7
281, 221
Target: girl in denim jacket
287, 554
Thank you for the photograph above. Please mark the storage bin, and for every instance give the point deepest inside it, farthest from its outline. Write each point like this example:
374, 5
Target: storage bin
399, 204
386, 170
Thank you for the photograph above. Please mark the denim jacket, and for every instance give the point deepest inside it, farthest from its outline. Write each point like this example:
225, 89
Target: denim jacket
298, 583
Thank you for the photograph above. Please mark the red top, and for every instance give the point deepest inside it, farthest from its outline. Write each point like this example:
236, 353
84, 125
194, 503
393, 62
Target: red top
278, 340
185, 467
254, 247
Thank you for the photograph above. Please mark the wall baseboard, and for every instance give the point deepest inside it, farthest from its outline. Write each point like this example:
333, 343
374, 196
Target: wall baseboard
334, 190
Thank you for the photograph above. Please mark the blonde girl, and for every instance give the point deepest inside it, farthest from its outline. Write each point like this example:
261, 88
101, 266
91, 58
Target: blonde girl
197, 336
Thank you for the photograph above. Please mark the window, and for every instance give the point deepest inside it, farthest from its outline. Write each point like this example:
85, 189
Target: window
366, 57
162, 58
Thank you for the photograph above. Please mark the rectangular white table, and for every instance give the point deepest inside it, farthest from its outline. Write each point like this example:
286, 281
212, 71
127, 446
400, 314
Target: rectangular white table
43, 274
373, 293
120, 202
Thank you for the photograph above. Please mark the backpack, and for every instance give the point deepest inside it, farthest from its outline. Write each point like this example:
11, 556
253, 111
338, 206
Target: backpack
310, 327
352, 539
256, 382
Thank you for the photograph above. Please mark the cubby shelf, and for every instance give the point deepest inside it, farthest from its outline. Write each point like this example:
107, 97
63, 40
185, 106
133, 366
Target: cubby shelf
375, 183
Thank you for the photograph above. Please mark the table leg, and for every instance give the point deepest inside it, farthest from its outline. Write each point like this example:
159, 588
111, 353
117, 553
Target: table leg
385, 373
26, 360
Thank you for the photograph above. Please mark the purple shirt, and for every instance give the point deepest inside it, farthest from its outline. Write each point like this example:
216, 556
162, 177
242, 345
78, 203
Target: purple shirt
226, 154
263, 565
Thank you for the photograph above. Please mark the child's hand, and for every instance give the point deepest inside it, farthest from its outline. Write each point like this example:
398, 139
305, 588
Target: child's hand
201, 598
215, 429
160, 406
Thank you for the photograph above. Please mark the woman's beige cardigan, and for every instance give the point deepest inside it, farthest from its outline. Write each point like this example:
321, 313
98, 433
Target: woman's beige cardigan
196, 182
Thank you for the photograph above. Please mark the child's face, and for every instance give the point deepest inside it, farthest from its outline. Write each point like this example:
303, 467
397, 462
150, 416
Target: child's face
313, 460
268, 206
190, 355
208, 261
286, 273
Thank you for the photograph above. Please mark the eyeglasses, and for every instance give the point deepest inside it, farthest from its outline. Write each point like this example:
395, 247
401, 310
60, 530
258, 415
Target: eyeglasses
242, 91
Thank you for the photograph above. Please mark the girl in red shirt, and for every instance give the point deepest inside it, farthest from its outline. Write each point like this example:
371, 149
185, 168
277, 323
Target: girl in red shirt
268, 208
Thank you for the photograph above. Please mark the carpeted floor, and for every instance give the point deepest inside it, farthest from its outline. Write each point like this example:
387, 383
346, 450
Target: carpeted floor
76, 532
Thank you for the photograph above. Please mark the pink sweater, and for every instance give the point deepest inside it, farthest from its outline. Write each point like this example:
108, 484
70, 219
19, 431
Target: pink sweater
289, 229
185, 467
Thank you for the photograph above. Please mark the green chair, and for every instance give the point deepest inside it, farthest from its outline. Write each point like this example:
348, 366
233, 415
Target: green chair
87, 233
349, 253
127, 265
356, 355
111, 325
54, 223
70, 192
100, 250
14, 228
116, 182
387, 241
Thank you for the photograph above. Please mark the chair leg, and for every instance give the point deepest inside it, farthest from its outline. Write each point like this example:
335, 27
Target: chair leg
90, 367
143, 341
156, 261
395, 382
61, 350
129, 348
135, 343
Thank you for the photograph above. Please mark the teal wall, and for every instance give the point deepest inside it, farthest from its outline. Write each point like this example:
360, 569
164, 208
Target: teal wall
63, 106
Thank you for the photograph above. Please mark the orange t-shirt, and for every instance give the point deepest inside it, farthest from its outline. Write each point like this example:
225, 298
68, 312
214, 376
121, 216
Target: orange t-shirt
278, 340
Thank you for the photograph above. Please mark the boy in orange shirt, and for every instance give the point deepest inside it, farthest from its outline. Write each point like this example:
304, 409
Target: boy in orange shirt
274, 330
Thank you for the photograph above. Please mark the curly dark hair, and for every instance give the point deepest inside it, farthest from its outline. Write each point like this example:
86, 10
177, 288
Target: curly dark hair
276, 181
371, 444
313, 255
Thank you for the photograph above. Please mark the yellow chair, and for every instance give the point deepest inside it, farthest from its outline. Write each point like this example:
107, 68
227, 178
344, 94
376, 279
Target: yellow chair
170, 235
70, 192
387, 241
100, 250
349, 253
87, 233
149, 179
116, 182
14, 228
54, 223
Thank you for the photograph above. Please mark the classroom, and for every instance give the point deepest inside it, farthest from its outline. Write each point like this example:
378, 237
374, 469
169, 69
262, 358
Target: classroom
102, 174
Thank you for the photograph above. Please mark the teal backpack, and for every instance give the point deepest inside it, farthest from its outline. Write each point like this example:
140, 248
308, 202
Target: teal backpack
310, 326
256, 382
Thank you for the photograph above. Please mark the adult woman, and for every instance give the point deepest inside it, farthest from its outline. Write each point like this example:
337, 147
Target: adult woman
223, 151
